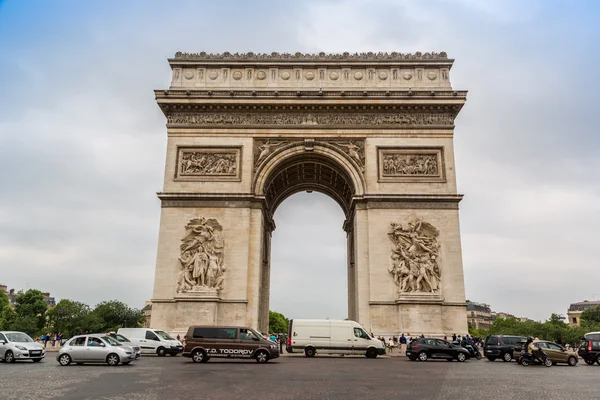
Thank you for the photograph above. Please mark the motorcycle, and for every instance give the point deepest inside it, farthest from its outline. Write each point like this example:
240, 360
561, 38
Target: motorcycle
540, 358
473, 351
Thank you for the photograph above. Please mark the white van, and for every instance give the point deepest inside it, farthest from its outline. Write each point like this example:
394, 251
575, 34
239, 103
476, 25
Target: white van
324, 336
152, 341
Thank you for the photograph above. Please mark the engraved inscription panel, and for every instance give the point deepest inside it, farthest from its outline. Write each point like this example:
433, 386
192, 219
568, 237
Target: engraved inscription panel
411, 164
208, 163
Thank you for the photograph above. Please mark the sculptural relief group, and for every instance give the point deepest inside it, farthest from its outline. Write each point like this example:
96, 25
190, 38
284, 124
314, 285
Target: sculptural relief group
202, 267
410, 164
205, 163
415, 256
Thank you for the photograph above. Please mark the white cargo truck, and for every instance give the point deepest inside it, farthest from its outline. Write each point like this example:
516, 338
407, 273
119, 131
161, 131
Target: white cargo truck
323, 336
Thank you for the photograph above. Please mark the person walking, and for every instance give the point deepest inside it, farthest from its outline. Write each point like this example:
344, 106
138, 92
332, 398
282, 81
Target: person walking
57, 339
454, 337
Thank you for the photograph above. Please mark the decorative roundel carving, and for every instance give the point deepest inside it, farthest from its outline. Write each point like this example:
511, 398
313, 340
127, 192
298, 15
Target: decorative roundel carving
358, 75
237, 75
309, 75
431, 75
213, 75
334, 76
261, 75
383, 75
188, 74
407, 76
285, 75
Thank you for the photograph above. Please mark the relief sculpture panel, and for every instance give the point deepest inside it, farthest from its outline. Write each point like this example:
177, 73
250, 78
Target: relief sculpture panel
208, 163
202, 267
411, 164
415, 256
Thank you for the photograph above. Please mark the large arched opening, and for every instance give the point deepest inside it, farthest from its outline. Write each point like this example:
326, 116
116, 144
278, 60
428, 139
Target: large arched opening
297, 169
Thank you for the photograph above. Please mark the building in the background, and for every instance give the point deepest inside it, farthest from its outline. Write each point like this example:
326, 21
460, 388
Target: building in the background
479, 315
147, 310
12, 296
503, 315
575, 310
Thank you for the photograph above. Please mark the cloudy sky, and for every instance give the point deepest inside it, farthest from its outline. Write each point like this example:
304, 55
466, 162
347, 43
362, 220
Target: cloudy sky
82, 141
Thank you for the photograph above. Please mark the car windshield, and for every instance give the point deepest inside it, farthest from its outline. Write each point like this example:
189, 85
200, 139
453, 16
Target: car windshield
163, 335
18, 337
121, 338
111, 341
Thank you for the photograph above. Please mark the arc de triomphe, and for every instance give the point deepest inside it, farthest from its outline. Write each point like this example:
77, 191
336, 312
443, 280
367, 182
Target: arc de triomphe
374, 131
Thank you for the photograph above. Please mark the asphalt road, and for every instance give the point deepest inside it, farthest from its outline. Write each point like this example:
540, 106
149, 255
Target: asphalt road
319, 378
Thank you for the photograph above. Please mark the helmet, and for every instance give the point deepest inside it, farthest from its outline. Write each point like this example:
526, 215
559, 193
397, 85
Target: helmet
529, 339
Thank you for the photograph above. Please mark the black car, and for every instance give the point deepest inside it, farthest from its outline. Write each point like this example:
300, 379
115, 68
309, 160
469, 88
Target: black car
589, 349
501, 346
425, 348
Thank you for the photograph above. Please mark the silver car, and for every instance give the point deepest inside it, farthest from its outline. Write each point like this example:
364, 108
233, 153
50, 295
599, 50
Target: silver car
120, 338
20, 346
95, 348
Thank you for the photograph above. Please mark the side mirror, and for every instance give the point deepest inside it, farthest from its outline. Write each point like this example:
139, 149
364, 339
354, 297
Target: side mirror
2, 342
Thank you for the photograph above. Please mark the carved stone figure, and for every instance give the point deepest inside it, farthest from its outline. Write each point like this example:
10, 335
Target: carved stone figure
415, 256
201, 163
410, 164
263, 149
201, 260
355, 149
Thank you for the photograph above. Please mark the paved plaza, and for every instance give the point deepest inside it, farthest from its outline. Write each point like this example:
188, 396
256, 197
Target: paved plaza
292, 377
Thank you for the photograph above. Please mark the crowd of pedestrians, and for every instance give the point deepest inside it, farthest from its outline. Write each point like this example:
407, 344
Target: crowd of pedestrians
401, 342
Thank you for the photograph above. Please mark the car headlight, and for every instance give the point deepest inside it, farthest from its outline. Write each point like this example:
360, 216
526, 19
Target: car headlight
21, 348
273, 346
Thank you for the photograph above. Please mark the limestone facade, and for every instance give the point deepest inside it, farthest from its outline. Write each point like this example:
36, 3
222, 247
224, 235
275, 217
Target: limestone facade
374, 131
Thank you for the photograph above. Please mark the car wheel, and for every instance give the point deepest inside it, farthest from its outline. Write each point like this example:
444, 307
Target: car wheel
198, 356
310, 352
598, 359
423, 356
506, 357
9, 357
161, 352
478, 356
548, 362
572, 361
524, 362
589, 362
64, 360
371, 353
36, 360
262, 357
112, 359
491, 358
461, 357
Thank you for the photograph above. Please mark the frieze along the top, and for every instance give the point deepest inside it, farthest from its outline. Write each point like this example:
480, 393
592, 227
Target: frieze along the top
322, 56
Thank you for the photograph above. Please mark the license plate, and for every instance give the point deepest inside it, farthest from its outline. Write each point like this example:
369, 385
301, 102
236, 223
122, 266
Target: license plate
35, 353
488, 351
408, 353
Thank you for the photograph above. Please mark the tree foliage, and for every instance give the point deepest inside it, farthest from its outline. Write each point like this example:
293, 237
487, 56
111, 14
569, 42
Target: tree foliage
70, 317
554, 329
113, 314
30, 306
591, 316
278, 323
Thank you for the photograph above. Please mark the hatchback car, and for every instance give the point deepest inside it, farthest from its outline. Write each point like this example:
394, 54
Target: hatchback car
589, 348
95, 348
555, 352
120, 338
16, 346
423, 349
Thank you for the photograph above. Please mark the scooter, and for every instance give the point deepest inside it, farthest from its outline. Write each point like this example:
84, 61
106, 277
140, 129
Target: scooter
535, 359
473, 351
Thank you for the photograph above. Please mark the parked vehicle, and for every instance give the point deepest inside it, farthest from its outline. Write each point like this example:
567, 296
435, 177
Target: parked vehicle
538, 358
122, 339
201, 343
589, 348
325, 336
501, 346
152, 341
95, 348
16, 346
553, 351
423, 349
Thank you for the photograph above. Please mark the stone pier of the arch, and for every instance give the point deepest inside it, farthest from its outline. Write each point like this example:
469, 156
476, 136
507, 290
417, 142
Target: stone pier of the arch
373, 131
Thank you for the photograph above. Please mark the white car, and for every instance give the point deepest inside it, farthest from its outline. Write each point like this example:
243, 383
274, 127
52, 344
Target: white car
152, 341
95, 348
20, 346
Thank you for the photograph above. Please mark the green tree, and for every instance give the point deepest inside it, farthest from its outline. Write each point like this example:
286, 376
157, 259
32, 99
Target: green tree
7, 317
4, 303
591, 316
113, 314
27, 323
277, 322
70, 318
31, 306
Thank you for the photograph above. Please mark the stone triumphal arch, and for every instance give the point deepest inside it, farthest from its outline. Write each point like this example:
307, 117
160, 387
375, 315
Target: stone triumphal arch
373, 131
